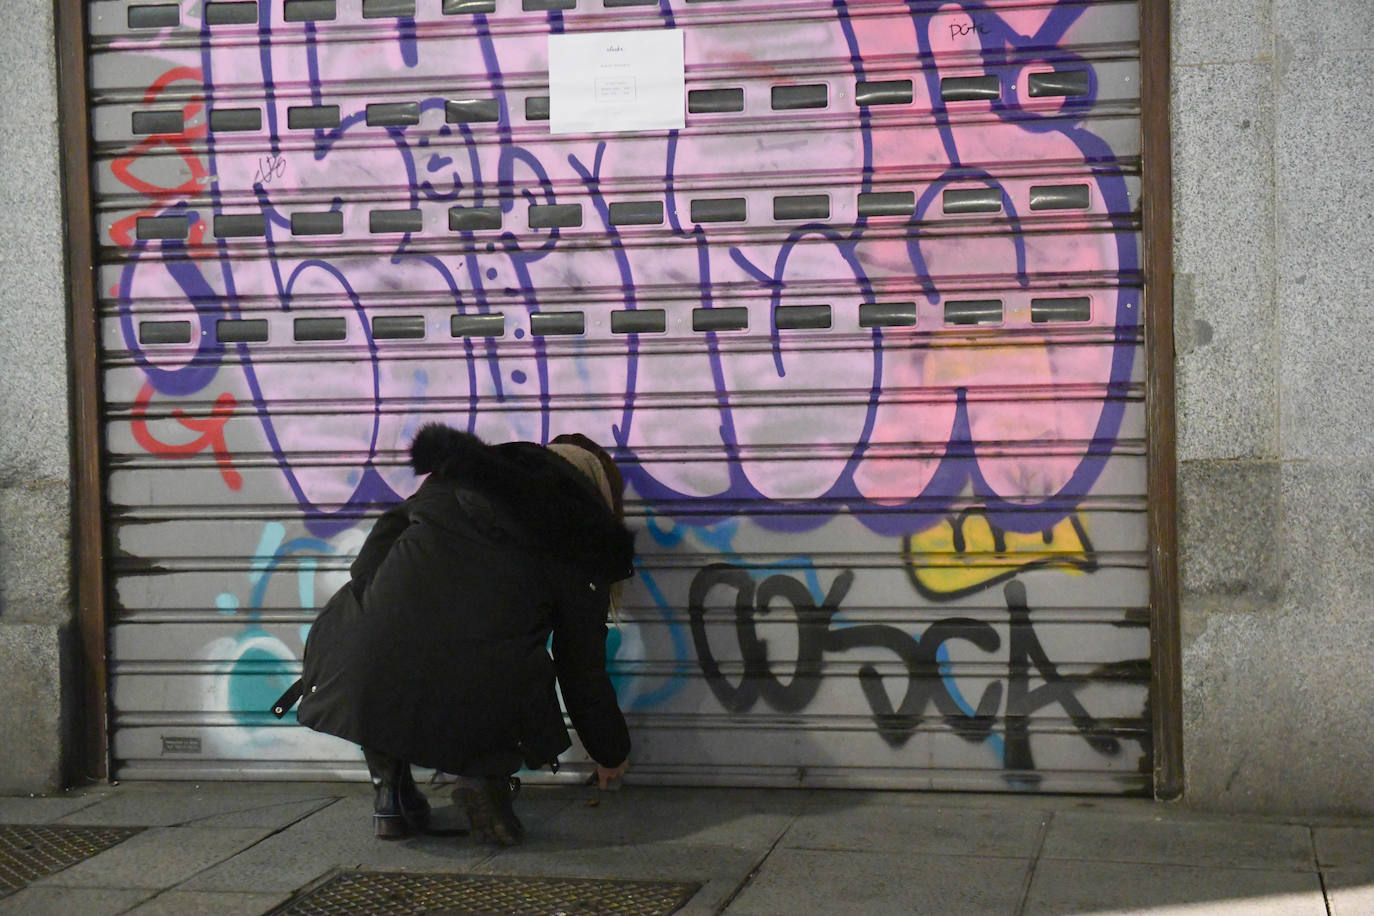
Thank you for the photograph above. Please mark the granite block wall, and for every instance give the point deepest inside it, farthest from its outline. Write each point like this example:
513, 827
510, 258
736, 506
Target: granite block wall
1271, 128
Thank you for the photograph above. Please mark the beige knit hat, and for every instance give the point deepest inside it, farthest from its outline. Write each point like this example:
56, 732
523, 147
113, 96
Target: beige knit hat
590, 467
588, 464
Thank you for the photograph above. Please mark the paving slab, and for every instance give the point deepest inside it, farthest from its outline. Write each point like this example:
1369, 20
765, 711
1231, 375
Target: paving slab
157, 858
1350, 891
275, 815
891, 823
209, 804
745, 818
190, 903
843, 882
337, 836
1344, 846
1062, 888
1179, 839
716, 838
243, 849
719, 869
44, 809
70, 901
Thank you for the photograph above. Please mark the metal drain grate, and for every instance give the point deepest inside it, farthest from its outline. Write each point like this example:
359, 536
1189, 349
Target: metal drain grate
408, 894
29, 852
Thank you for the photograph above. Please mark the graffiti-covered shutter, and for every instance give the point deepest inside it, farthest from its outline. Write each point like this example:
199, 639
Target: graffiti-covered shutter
864, 336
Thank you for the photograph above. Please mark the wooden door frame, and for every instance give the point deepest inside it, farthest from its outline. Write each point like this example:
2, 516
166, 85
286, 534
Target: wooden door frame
89, 757
1166, 680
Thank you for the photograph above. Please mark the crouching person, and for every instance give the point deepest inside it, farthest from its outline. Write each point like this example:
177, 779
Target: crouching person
437, 652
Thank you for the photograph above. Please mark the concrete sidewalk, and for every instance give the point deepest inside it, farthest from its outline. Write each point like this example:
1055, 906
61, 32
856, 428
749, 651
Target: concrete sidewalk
238, 848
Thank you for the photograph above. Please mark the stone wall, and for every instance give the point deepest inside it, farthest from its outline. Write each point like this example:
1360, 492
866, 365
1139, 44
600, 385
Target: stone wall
1274, 276
36, 690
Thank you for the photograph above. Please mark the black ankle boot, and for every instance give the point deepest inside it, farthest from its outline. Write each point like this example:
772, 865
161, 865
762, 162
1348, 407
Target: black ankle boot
399, 805
491, 814
416, 805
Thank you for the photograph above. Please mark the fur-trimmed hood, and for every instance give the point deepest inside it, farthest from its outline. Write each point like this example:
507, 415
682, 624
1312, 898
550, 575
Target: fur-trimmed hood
555, 504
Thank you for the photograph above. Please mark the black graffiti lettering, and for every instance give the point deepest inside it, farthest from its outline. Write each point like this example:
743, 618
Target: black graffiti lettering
735, 699
1026, 654
758, 679
925, 684
896, 723
270, 168
978, 726
812, 623
959, 29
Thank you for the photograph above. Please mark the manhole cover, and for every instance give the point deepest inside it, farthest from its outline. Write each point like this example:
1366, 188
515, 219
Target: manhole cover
29, 852
409, 894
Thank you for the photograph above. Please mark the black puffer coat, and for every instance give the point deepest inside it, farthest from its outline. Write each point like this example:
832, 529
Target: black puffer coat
435, 652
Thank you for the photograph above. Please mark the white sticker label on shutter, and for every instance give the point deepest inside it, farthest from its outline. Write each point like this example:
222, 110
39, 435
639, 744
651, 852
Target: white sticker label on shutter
616, 81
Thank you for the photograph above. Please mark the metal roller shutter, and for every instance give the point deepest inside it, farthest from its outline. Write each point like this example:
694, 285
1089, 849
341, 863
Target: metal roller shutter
865, 337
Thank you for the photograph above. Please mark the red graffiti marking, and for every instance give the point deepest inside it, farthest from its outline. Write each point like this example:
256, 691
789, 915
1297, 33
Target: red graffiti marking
211, 431
181, 143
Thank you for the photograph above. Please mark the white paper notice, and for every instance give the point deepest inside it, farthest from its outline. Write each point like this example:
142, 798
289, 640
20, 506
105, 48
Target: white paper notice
616, 81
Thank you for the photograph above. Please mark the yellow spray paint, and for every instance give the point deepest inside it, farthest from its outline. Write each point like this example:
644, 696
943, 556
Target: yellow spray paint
965, 553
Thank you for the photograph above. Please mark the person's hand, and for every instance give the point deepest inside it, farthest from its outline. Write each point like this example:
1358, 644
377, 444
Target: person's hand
606, 776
